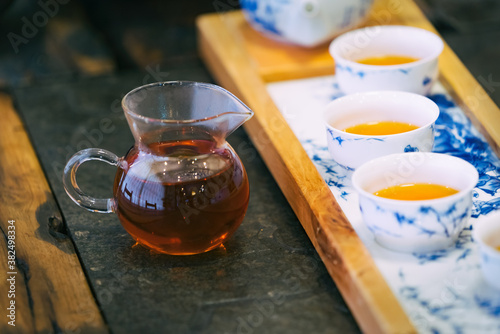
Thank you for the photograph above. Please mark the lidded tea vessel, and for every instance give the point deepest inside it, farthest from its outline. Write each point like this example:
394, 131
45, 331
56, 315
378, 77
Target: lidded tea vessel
181, 189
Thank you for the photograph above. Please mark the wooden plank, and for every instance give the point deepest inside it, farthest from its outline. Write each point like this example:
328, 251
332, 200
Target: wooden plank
242, 61
51, 291
72, 41
347, 260
275, 61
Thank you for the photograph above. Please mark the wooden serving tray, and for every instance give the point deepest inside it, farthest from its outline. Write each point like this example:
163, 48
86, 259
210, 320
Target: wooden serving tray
243, 61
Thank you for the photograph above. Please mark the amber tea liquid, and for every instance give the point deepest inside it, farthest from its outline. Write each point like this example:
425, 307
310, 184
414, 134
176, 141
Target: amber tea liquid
181, 197
387, 60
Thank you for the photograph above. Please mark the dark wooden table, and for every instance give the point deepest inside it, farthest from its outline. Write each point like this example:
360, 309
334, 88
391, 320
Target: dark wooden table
79, 272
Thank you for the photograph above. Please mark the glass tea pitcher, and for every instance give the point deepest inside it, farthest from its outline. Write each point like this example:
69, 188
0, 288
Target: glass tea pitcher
181, 189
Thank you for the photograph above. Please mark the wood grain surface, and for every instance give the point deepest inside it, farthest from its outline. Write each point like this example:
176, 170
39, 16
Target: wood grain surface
243, 61
347, 260
51, 292
275, 61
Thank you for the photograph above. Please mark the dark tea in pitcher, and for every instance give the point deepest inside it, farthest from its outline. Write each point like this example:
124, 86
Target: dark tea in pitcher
181, 197
181, 189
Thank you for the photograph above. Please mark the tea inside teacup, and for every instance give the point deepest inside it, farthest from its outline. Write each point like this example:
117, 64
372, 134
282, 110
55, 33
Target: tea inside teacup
412, 52
498, 248
364, 126
381, 128
416, 191
387, 60
429, 202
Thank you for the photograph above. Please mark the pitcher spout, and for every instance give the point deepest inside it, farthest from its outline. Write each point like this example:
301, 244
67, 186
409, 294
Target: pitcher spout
226, 123
183, 108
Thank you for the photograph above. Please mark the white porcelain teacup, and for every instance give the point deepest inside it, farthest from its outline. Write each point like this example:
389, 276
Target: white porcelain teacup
304, 22
487, 235
378, 41
351, 150
415, 225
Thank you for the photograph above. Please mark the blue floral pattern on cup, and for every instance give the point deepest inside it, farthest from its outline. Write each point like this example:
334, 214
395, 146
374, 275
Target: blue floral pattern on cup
418, 227
263, 14
352, 150
341, 139
305, 23
416, 76
442, 291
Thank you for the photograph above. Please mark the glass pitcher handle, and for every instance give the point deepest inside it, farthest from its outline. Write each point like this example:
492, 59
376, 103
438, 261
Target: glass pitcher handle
102, 205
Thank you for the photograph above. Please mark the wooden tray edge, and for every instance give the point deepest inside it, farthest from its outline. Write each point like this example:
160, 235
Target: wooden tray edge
369, 297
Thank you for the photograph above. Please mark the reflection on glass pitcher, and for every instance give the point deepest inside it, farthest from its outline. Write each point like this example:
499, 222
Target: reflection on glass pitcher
181, 189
